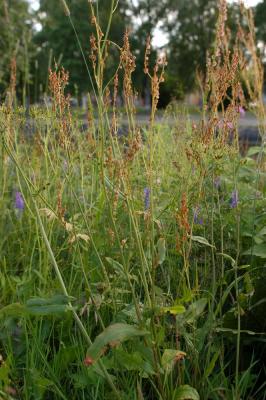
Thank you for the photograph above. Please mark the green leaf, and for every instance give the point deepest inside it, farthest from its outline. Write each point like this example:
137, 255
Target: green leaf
174, 310
254, 150
186, 392
201, 240
233, 262
262, 232
54, 305
169, 358
113, 335
14, 310
195, 310
211, 366
249, 288
258, 250
115, 265
122, 360
161, 250
235, 331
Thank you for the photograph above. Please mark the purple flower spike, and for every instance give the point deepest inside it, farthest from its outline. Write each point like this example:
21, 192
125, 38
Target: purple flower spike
234, 199
19, 201
147, 193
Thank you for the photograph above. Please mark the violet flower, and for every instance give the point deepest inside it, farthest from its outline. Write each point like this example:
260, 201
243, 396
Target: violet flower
234, 199
230, 125
241, 111
147, 193
19, 202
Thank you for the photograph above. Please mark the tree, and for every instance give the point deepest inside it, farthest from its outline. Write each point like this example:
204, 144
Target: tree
191, 29
57, 41
15, 44
145, 16
260, 21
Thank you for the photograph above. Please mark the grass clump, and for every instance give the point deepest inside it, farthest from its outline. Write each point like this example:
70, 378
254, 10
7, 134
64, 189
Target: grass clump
132, 266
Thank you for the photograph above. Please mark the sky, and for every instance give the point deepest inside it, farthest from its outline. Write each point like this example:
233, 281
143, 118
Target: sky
249, 3
160, 38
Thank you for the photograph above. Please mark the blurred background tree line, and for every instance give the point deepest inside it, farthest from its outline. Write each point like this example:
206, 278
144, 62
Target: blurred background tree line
38, 40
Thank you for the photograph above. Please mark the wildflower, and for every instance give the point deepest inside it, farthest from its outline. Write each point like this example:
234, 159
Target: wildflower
19, 201
226, 125
196, 216
241, 111
234, 199
147, 193
230, 125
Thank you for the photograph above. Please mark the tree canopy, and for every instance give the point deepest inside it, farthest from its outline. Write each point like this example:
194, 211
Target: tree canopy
15, 43
189, 27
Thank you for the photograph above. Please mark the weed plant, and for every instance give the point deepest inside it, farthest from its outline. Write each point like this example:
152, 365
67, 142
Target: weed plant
133, 266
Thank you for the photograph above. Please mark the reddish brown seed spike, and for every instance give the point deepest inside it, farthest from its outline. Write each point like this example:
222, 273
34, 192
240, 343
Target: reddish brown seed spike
88, 361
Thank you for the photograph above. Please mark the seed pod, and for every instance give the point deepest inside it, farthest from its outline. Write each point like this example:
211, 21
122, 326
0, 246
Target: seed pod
65, 7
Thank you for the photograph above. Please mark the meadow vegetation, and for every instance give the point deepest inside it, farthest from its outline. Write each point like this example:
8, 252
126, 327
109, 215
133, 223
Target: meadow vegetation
133, 265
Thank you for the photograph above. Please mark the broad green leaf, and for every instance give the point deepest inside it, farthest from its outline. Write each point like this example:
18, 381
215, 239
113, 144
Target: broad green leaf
262, 232
258, 250
195, 310
201, 240
113, 335
254, 150
14, 310
161, 250
169, 358
122, 360
174, 310
258, 239
186, 392
54, 305
249, 288
129, 361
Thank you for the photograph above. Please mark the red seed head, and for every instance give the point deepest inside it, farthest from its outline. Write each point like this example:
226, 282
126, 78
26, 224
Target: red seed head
88, 361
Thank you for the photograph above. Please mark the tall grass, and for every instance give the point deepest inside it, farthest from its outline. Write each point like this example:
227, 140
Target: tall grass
132, 266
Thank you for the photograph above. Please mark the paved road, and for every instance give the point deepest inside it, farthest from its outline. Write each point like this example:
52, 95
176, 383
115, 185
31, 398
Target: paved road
246, 121
248, 126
